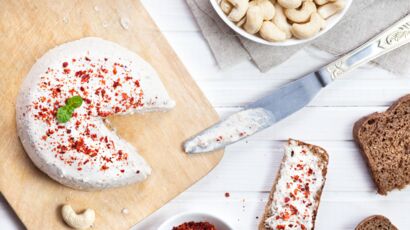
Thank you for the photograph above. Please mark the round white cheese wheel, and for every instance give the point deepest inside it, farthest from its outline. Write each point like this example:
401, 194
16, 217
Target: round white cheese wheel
83, 153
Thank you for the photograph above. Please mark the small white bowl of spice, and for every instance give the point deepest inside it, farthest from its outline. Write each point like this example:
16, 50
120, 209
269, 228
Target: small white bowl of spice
281, 22
194, 220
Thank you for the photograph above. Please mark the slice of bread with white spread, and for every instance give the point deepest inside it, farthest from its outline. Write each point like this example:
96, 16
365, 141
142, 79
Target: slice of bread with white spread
295, 196
376, 222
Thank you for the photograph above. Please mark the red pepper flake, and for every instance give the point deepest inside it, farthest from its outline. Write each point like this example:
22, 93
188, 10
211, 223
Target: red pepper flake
67, 71
79, 168
85, 78
286, 216
227, 194
104, 167
287, 199
280, 226
137, 83
310, 172
87, 59
295, 178
80, 73
65, 64
116, 84
293, 210
122, 170
114, 71
303, 227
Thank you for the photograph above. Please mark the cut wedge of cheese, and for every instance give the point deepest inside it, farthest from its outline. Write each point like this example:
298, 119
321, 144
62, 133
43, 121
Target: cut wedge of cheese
83, 153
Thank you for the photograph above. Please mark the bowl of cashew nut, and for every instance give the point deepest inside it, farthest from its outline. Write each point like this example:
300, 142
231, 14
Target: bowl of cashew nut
281, 22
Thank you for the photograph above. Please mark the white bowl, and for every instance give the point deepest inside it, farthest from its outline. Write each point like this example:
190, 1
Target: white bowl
330, 22
196, 217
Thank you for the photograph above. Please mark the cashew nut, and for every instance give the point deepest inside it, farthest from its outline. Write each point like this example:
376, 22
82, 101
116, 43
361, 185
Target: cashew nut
78, 221
330, 9
302, 14
271, 32
254, 19
239, 9
226, 6
290, 4
322, 2
267, 8
308, 29
241, 22
280, 21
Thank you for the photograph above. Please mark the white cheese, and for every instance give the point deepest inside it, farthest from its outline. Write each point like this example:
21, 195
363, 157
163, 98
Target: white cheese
83, 153
301, 178
236, 127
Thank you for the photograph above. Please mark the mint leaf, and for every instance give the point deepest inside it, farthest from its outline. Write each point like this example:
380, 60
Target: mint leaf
63, 114
75, 101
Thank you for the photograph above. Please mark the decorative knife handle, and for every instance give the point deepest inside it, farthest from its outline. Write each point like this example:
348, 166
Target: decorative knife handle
390, 39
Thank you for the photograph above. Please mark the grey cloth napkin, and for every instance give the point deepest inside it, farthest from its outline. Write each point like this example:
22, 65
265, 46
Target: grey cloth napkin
365, 19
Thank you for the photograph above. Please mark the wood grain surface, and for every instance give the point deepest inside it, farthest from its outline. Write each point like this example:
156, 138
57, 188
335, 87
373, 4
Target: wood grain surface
30, 28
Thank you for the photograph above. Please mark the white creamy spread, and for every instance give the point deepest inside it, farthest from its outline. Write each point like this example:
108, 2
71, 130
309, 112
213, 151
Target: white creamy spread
83, 153
300, 181
232, 129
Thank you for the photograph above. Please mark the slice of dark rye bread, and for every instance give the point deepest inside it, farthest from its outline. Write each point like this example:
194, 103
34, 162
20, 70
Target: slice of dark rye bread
384, 140
376, 222
324, 158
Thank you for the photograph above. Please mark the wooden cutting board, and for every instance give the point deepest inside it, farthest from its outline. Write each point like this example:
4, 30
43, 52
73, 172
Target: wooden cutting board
30, 28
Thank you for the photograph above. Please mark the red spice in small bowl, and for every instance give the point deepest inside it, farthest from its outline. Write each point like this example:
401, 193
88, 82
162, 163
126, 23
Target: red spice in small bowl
195, 226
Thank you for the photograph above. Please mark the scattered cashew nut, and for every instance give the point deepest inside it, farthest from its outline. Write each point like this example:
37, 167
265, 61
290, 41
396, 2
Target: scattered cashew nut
239, 9
226, 6
267, 8
271, 32
254, 20
78, 221
281, 21
290, 4
330, 9
302, 14
308, 29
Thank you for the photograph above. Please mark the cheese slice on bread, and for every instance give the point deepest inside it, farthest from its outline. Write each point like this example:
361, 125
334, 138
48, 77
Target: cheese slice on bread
295, 196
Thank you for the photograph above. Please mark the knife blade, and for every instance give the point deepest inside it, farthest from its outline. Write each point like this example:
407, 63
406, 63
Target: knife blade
295, 95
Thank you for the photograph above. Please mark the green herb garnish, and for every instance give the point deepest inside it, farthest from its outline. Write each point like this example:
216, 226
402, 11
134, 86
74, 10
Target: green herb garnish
64, 113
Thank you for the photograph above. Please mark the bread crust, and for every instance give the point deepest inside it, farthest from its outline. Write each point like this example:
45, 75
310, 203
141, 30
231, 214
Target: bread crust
367, 219
357, 130
317, 151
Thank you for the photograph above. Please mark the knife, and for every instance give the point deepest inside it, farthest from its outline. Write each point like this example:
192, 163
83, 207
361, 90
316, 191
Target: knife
295, 95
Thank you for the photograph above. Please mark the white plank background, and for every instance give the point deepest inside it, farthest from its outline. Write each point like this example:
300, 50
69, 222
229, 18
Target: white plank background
248, 168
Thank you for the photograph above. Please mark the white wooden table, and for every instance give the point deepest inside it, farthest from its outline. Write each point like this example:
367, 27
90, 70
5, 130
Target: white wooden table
248, 168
